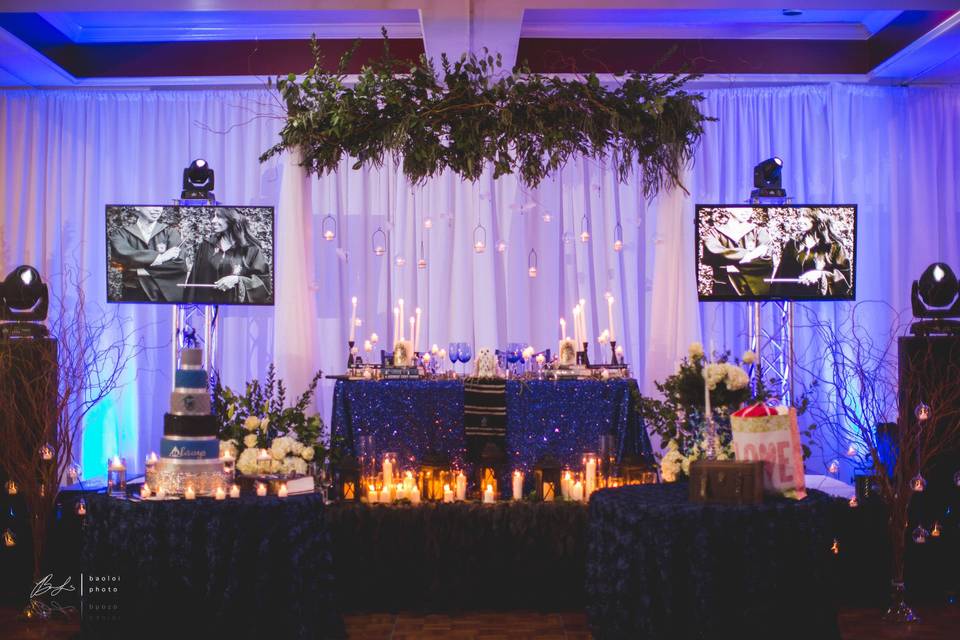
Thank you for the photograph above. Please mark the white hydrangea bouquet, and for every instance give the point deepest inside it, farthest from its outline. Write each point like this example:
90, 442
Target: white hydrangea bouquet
259, 420
679, 417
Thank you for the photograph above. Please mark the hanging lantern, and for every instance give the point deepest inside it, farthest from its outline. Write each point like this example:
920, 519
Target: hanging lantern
46, 453
637, 470
422, 262
532, 263
74, 471
11, 488
918, 483
8, 539
922, 411
434, 474
835, 547
80, 508
492, 460
479, 239
547, 217
428, 223
400, 261
379, 242
935, 531
920, 534
501, 246
584, 229
547, 472
618, 237
834, 467
328, 227
348, 479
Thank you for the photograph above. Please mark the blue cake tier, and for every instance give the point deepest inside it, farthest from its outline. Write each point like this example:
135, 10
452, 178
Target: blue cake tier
179, 448
190, 379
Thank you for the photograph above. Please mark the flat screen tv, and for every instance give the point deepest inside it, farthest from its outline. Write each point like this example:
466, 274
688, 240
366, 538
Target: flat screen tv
766, 252
190, 255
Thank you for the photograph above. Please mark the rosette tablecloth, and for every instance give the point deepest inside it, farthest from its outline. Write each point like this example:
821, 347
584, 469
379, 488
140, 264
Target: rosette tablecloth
238, 568
563, 417
661, 567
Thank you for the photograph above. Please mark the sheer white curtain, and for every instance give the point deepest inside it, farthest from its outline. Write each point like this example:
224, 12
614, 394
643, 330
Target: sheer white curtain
67, 154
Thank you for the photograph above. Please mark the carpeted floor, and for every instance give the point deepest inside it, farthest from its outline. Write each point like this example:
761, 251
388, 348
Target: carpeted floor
938, 623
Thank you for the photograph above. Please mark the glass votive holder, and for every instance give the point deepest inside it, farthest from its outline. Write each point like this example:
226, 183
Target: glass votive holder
229, 466
117, 476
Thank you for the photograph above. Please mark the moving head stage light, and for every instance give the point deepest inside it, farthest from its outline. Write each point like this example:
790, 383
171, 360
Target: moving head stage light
198, 181
24, 300
936, 298
768, 179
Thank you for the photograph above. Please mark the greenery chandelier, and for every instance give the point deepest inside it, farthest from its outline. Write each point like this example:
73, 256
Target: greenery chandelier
474, 113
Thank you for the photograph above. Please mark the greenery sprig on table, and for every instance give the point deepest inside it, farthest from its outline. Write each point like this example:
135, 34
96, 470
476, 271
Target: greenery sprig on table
474, 113
259, 419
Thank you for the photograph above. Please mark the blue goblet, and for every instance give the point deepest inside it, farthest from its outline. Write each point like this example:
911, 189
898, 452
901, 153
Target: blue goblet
465, 354
453, 353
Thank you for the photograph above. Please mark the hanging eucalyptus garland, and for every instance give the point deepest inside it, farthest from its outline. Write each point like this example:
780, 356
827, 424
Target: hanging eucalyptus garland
475, 113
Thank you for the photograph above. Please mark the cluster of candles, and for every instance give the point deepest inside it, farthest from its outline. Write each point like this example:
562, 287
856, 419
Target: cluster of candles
580, 325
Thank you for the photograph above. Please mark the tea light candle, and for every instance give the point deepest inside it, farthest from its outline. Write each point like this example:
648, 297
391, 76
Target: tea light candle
461, 486
235, 491
385, 495
371, 494
145, 491
261, 489
488, 495
116, 477
282, 491
447, 493
414, 495
116, 464
190, 493
220, 494
517, 485
152, 460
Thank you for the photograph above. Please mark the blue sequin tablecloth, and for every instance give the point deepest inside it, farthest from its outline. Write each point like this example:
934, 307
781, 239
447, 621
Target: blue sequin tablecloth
661, 567
563, 417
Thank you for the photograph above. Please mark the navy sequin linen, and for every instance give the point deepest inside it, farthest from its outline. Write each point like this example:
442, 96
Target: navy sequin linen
564, 417
661, 567
238, 568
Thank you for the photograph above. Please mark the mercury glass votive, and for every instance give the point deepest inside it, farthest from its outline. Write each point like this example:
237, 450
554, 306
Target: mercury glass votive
117, 477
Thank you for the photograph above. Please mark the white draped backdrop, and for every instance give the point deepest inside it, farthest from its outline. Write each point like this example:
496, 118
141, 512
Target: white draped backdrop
66, 154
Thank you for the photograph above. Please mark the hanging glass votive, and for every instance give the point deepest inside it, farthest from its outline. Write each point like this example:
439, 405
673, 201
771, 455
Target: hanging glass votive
584, 229
379, 242
328, 227
918, 483
547, 217
428, 223
479, 239
422, 262
532, 263
501, 246
922, 411
618, 237
400, 261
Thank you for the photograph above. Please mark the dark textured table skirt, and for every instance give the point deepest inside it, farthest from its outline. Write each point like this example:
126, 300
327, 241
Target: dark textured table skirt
250, 567
564, 418
660, 567
460, 556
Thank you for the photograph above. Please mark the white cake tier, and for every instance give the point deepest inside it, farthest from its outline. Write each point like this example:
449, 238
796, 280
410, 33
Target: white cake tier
190, 402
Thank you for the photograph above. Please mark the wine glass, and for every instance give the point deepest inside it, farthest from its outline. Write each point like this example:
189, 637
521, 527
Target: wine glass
453, 354
465, 354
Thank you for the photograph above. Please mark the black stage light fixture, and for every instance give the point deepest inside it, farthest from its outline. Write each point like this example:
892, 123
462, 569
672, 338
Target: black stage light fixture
768, 179
936, 297
198, 181
24, 301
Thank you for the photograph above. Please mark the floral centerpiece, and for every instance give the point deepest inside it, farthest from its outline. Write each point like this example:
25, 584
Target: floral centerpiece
679, 418
259, 419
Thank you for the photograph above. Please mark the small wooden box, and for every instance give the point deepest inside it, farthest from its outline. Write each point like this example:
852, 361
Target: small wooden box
726, 481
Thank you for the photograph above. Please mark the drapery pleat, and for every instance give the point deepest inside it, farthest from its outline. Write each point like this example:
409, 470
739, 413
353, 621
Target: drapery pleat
66, 154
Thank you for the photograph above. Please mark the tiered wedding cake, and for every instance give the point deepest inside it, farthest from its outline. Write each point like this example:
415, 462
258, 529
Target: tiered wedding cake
189, 449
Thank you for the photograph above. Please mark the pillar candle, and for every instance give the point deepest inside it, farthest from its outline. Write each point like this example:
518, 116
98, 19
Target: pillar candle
145, 491
220, 494
461, 486
282, 491
488, 495
371, 494
413, 328
401, 492
416, 331
563, 329
152, 461
576, 492
517, 485
387, 472
235, 491
353, 319
261, 489
396, 324
414, 495
591, 475
385, 495
583, 320
613, 335
400, 302
565, 483
190, 493
408, 481
447, 493
576, 326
